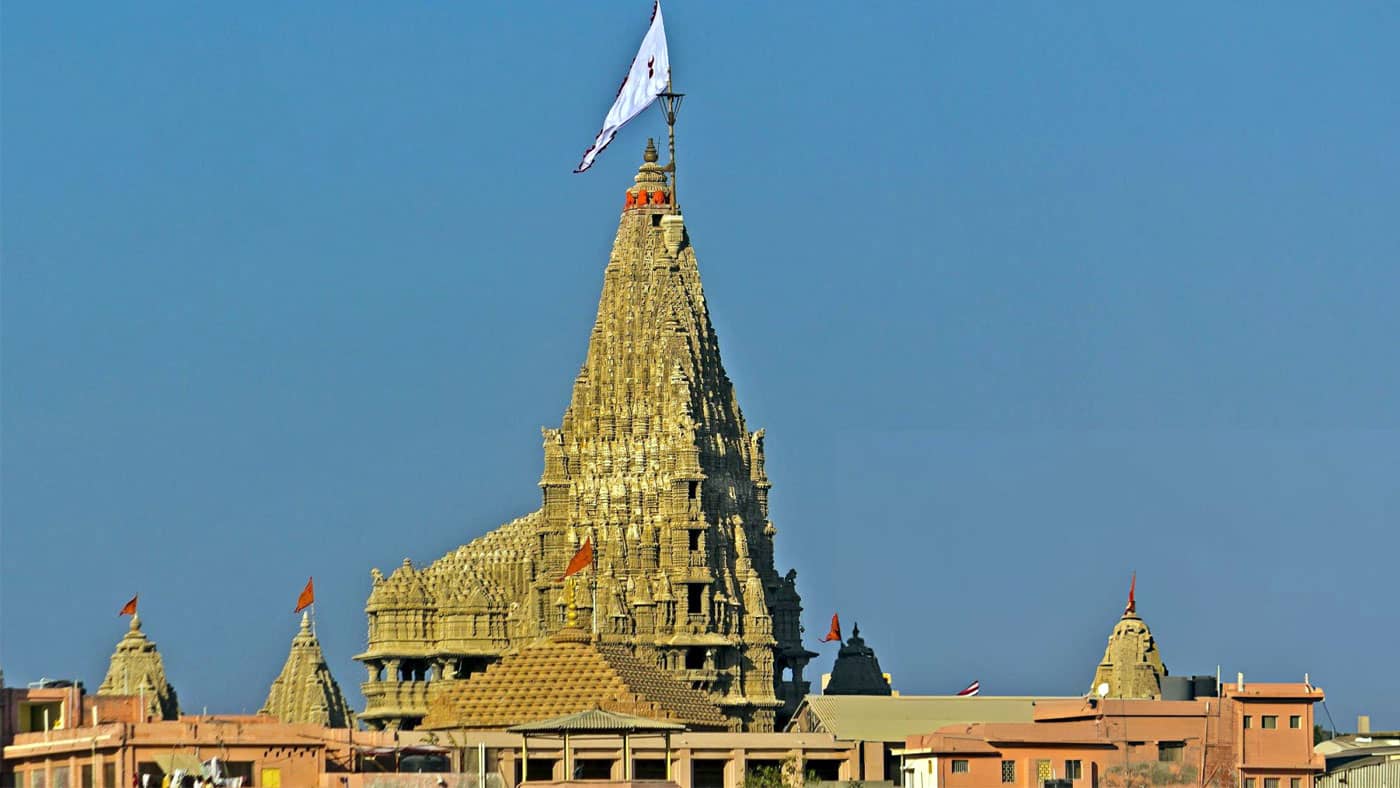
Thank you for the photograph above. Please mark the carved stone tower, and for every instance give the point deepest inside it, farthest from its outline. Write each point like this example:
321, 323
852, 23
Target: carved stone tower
305, 690
1132, 666
137, 670
654, 463
857, 670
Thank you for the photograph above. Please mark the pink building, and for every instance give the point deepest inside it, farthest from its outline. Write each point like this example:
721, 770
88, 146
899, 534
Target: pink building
1254, 736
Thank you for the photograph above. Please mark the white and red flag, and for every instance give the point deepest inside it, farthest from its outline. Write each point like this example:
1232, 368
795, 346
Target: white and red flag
649, 76
972, 689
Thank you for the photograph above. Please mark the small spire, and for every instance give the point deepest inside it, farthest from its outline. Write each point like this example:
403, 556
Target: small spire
306, 622
651, 156
135, 623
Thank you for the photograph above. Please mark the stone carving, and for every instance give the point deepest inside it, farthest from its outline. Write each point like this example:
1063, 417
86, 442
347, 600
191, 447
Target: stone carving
652, 461
1131, 666
305, 690
136, 669
856, 671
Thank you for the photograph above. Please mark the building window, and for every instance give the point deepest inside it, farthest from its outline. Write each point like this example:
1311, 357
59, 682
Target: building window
1248, 722
1008, 771
1270, 782
1074, 770
1171, 751
1268, 722
1248, 781
1295, 722
694, 540
694, 602
1043, 771
1295, 782
960, 766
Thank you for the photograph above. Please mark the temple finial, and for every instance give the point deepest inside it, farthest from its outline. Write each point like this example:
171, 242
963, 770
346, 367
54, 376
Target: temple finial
651, 156
135, 623
571, 609
1131, 609
305, 622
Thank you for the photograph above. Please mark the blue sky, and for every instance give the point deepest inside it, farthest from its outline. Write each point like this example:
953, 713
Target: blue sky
1028, 297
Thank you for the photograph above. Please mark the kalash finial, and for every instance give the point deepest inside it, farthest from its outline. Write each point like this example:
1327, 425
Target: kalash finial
651, 156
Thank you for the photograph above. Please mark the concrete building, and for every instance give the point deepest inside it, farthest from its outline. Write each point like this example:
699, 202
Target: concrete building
1365, 759
1253, 736
878, 727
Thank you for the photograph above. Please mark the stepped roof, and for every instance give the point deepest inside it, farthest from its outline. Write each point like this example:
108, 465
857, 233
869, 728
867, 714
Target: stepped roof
568, 674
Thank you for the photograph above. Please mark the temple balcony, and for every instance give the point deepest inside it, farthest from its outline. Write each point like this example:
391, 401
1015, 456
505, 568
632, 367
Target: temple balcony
704, 676
394, 699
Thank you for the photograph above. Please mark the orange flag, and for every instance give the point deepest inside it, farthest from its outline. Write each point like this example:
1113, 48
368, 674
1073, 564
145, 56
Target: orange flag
581, 560
1132, 596
307, 598
835, 633
129, 609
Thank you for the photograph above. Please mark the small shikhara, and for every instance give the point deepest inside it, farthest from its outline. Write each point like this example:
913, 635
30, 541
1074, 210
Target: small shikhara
653, 464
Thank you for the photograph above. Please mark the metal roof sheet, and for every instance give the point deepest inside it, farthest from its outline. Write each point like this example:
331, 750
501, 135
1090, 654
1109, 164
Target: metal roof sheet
895, 718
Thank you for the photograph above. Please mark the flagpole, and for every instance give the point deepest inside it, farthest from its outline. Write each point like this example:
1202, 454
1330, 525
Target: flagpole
593, 578
670, 106
671, 139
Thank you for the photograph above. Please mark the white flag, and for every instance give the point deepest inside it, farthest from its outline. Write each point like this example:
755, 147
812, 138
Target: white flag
649, 76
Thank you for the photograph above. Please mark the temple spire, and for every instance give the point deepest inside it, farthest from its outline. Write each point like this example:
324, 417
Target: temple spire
305, 691
137, 670
1132, 666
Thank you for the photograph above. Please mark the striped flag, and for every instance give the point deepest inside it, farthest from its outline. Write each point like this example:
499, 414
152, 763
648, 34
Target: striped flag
972, 689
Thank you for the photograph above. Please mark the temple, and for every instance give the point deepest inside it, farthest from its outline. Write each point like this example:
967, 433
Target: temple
857, 670
136, 670
1131, 666
305, 691
654, 464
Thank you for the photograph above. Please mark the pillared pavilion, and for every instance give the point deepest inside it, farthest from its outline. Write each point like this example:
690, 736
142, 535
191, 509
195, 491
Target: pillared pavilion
654, 464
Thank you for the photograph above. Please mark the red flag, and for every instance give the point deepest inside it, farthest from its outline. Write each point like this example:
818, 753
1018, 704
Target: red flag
581, 560
835, 633
129, 609
972, 689
1132, 594
307, 597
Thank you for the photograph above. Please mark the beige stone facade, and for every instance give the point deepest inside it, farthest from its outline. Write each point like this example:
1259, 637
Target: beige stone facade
653, 462
305, 691
136, 669
1131, 667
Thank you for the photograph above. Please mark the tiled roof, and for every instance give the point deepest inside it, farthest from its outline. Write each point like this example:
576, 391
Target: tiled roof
567, 675
597, 721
